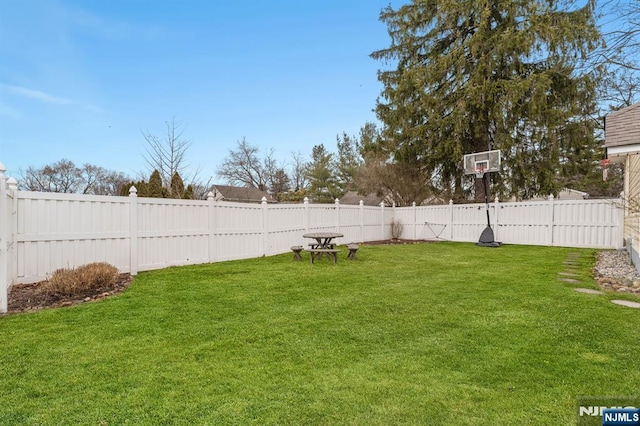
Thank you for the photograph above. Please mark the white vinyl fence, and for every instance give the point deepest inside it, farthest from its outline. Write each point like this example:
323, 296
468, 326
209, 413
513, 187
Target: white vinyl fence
43, 232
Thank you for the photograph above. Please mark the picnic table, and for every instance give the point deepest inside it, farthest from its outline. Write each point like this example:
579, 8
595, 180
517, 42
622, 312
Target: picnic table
323, 245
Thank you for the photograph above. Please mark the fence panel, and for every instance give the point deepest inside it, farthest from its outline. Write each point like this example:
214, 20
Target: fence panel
350, 224
238, 230
172, 232
525, 223
468, 221
587, 223
371, 227
322, 217
65, 231
286, 225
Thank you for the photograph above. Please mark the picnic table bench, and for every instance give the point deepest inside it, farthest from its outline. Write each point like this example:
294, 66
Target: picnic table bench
318, 252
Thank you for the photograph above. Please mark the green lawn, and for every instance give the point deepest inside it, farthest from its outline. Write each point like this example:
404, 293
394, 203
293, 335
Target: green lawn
445, 333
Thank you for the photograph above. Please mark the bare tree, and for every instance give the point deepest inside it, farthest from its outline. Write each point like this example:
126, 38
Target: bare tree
100, 181
621, 30
298, 179
279, 183
64, 176
243, 166
167, 154
618, 60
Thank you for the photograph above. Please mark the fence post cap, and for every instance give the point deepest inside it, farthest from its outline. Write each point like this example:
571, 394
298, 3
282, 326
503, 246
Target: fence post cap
551, 197
264, 200
336, 201
2, 169
306, 200
210, 196
361, 203
133, 192
13, 184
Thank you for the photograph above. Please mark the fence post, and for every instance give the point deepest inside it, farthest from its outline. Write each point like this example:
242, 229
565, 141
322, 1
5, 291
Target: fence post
306, 215
551, 218
496, 218
382, 220
265, 236
12, 232
133, 231
415, 221
450, 224
4, 241
361, 221
212, 226
337, 203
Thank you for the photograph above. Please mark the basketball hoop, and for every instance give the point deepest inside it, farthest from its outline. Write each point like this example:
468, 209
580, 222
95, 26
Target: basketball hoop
480, 163
479, 170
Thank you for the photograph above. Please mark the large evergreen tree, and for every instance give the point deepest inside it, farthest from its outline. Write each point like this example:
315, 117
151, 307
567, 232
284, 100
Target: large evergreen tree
487, 74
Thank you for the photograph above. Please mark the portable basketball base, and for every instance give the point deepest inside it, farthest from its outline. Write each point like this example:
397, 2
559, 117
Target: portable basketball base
479, 164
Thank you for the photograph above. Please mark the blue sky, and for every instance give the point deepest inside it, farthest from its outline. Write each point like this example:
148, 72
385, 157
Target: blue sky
80, 79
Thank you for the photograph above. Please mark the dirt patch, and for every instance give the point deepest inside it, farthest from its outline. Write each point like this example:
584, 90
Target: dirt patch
31, 297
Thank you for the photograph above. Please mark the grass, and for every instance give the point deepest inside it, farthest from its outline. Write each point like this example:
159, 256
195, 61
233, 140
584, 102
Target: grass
445, 333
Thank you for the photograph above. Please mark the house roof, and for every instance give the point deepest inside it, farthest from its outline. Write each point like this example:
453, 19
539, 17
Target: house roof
242, 194
622, 127
353, 198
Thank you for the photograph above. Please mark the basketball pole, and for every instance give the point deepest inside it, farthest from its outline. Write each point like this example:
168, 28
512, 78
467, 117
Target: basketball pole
487, 237
486, 197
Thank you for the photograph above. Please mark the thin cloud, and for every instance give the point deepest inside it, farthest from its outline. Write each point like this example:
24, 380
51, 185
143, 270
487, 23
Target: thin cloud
37, 95
47, 98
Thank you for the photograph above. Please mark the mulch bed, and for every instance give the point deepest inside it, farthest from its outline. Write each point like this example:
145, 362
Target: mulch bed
30, 297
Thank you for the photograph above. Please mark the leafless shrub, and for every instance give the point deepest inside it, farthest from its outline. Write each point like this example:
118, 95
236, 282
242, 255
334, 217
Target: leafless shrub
74, 282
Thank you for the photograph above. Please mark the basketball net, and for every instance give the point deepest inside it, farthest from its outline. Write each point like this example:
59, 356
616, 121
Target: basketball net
479, 171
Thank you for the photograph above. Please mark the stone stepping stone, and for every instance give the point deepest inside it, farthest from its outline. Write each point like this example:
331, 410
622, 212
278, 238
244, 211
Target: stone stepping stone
569, 280
627, 303
568, 274
588, 291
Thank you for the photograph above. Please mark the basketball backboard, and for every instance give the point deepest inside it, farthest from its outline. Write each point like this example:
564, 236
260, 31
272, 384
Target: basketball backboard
480, 163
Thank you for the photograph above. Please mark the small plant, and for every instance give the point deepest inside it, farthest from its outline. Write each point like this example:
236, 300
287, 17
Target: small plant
396, 229
74, 282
